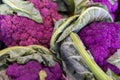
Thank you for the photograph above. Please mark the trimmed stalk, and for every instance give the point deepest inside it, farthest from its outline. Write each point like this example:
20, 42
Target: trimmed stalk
97, 71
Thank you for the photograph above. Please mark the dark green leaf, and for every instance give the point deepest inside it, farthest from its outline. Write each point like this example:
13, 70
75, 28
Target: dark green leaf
1, 2
65, 6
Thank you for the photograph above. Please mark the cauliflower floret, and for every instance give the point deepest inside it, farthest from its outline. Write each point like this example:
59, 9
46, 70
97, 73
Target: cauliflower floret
103, 40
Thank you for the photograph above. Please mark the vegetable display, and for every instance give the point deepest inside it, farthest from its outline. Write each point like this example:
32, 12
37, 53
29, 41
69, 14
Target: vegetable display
59, 40
90, 51
33, 62
25, 23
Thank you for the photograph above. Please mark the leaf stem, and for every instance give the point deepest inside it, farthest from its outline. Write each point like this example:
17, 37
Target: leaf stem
100, 75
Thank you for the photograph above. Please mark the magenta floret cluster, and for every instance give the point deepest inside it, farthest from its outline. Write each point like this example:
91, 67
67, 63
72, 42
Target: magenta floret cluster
113, 8
102, 39
21, 31
30, 71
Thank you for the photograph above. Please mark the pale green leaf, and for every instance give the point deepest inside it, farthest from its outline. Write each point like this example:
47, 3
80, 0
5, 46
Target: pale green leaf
24, 54
111, 74
24, 8
58, 23
25, 59
5, 9
112, 1
81, 5
115, 59
3, 75
60, 28
89, 15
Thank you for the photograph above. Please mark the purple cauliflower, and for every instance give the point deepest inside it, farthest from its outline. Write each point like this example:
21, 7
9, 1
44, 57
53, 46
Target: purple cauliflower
102, 39
30, 71
21, 31
113, 8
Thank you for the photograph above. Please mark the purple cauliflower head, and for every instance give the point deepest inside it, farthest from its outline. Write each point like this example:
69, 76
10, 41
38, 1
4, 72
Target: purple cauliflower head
113, 8
30, 71
102, 39
21, 31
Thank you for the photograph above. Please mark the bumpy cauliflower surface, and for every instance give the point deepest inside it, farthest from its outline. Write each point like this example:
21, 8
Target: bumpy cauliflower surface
102, 39
18, 30
30, 71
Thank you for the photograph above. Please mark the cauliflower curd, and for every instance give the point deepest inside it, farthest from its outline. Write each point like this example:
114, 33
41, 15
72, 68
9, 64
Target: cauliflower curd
103, 40
22, 31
